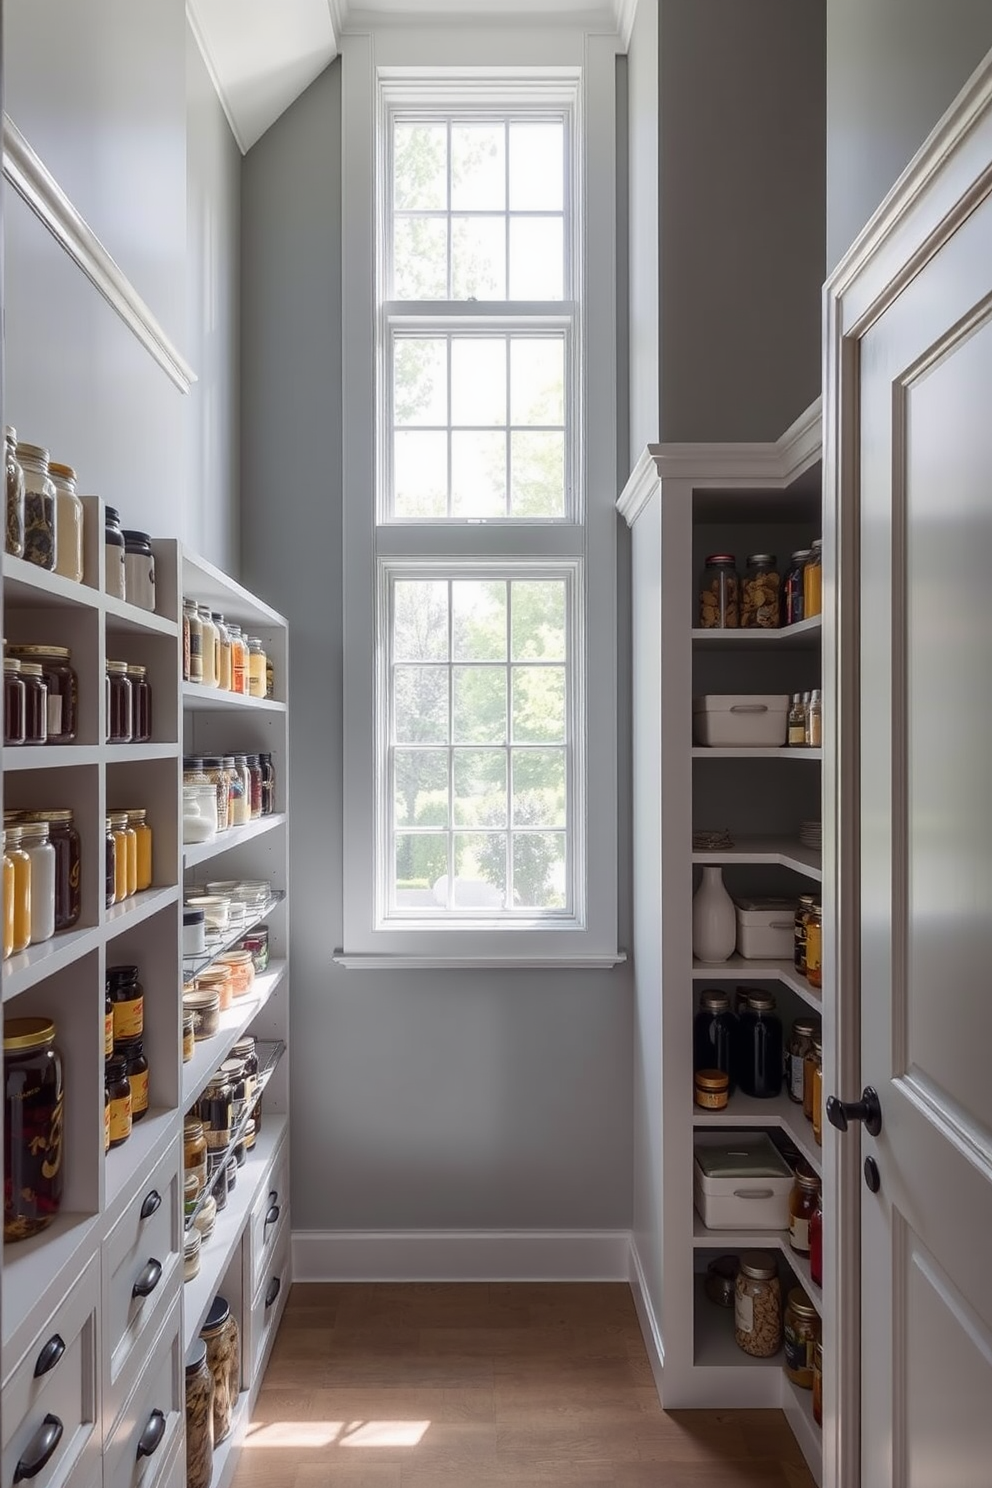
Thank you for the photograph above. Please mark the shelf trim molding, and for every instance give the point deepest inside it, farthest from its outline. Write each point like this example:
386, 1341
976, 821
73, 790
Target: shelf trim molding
461, 1255
38, 188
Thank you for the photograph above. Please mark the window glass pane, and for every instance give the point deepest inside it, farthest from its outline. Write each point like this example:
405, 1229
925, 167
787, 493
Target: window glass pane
420, 164
538, 705
539, 870
538, 623
420, 474
480, 788
420, 258
478, 381
536, 258
478, 475
421, 859
537, 167
479, 705
420, 705
478, 258
420, 620
478, 168
537, 465
478, 620
420, 380
537, 380
480, 870
420, 787
538, 787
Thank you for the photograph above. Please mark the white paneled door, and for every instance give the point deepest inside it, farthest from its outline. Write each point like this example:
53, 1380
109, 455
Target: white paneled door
925, 411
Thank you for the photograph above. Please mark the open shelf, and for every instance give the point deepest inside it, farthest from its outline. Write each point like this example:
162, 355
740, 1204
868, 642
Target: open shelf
138, 1153
742, 969
779, 850
219, 943
117, 754
701, 751
26, 585
782, 1113
197, 698
713, 1331
269, 1053
50, 756
208, 1053
804, 635
29, 967
129, 618
139, 907
735, 1241
202, 852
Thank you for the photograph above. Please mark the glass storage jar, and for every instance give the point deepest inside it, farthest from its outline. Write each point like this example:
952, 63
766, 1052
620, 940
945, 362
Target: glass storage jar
34, 840
760, 593
192, 623
192, 1240
119, 1092
268, 784
805, 904
816, 1241
22, 885
40, 533
818, 1383
139, 568
802, 1331
814, 944
793, 588
711, 1089
217, 775
239, 660
215, 1108
128, 998
195, 1150
141, 704
240, 789
63, 688
220, 1334
256, 667
108, 1025
123, 855
804, 1030
32, 1127
68, 522
244, 1050
255, 777
120, 717
759, 1067
714, 1032
810, 1063
137, 820
111, 862
8, 902
802, 1204
189, 1038
758, 1305
115, 575
257, 941
218, 980
813, 580
223, 651
208, 646
816, 1098
199, 1417
14, 539
35, 703
242, 969
136, 1069
719, 593
13, 702
205, 1006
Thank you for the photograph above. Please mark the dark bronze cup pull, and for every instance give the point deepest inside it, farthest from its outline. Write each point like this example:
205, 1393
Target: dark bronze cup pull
39, 1450
50, 1355
148, 1280
151, 1438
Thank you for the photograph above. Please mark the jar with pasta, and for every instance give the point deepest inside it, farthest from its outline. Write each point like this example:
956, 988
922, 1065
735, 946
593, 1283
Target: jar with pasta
39, 506
14, 542
758, 1305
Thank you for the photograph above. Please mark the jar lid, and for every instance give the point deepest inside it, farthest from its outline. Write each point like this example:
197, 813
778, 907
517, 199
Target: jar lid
235, 958
761, 558
137, 813
817, 1047
192, 1127
806, 1178
118, 819
816, 544
218, 1080
758, 1264
714, 1001
726, 1266
27, 1033
229, 761
33, 452
228, 1068
111, 514
761, 1002
115, 1069
31, 669
191, 1243
806, 1027
12, 834
193, 916
800, 1304
10, 433
136, 671
801, 553
64, 472
61, 652
710, 1079
34, 832
213, 761
218, 1315
131, 536
202, 1001
192, 761
244, 1045
721, 558
196, 1355
11, 664
119, 668
216, 615
191, 1186
121, 976
212, 976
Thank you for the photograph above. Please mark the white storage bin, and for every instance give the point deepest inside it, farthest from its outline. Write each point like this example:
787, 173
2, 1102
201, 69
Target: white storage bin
741, 720
765, 928
740, 1181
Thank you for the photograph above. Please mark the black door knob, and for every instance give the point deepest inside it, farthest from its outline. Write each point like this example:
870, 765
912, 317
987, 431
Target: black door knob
867, 1110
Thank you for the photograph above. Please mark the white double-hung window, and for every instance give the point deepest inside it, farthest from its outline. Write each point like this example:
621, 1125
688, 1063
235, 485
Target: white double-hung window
480, 723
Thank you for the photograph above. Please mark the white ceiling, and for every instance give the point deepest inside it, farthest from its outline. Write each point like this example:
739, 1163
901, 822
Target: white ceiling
262, 54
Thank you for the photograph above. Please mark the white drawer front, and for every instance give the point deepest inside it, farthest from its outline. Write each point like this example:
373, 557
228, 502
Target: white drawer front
53, 1414
143, 1439
142, 1267
266, 1309
268, 1212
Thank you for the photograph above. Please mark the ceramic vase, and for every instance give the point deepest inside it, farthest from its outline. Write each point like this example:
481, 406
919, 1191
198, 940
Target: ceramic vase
714, 920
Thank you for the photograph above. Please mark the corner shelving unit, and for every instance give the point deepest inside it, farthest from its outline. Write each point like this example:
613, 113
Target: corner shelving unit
681, 503
123, 1354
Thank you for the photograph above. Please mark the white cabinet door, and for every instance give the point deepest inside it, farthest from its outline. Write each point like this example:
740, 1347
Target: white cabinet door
925, 406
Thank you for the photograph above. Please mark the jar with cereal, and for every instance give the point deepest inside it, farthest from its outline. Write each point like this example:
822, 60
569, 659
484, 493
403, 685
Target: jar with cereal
758, 1305
760, 604
719, 593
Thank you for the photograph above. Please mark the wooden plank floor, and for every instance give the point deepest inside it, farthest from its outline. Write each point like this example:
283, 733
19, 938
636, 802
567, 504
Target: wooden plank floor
489, 1385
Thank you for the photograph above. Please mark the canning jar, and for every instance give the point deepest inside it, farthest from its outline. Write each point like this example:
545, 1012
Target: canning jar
793, 588
802, 1331
195, 1150
120, 718
240, 789
255, 780
711, 1089
111, 861
805, 904
32, 1141
192, 1240
199, 1417
128, 998
217, 776
719, 593
804, 1030
123, 855
256, 667
189, 1038
139, 568
813, 580
40, 541
244, 1050
205, 1007
137, 820
714, 1033
191, 622
268, 784
802, 1203
239, 659
215, 1109
816, 1095
136, 1068
68, 522
35, 703
270, 677
217, 980
8, 901
758, 1305
811, 1061
115, 574
208, 646
242, 969
34, 840
759, 1067
818, 1383
14, 540
220, 1334
814, 944
816, 1241
119, 1092
814, 720
63, 689
257, 941
141, 704
760, 601
223, 651
22, 885
13, 701
108, 1025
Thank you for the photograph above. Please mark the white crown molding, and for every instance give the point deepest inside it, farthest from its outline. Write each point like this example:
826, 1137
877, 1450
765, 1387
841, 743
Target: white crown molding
773, 466
38, 188
461, 1255
193, 19
626, 13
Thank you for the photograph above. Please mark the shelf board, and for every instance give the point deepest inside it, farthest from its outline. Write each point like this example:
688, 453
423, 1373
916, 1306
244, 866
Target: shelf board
199, 699
700, 751
208, 1053
782, 1113
139, 907
226, 1454
202, 852
29, 967
220, 1244
133, 620
134, 1156
738, 1240
741, 969
25, 585
50, 756
31, 1268
781, 850
209, 585
805, 634
798, 1407
117, 754
713, 1334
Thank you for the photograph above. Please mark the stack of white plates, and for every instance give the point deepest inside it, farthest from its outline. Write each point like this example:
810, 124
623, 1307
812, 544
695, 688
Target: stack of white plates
811, 834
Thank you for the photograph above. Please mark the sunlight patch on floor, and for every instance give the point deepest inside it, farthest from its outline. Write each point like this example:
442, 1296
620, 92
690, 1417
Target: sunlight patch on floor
301, 1434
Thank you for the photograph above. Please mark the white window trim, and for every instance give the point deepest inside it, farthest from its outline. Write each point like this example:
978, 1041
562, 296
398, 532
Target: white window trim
366, 59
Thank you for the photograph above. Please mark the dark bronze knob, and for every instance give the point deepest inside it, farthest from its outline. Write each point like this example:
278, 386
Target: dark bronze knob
867, 1110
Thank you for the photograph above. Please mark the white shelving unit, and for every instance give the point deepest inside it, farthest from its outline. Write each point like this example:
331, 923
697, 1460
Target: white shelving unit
683, 502
123, 1353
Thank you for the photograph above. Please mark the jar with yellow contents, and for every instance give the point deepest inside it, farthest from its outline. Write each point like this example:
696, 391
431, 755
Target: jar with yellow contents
8, 901
22, 886
126, 856
138, 823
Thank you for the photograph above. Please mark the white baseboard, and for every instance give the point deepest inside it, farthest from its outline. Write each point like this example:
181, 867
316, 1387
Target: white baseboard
461, 1255
650, 1330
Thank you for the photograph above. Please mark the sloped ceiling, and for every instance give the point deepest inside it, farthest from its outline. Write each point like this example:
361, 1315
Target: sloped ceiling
262, 54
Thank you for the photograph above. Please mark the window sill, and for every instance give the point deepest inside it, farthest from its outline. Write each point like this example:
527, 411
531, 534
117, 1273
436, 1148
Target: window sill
401, 962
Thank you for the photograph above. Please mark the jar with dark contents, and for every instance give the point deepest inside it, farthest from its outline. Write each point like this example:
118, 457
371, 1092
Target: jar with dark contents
120, 725
136, 1068
215, 1109
760, 1053
13, 702
111, 860
14, 539
199, 1417
195, 1150
32, 1129
141, 704
268, 784
119, 1091
60, 680
244, 1052
39, 506
220, 1334
255, 781
108, 1026
35, 703
128, 999
115, 582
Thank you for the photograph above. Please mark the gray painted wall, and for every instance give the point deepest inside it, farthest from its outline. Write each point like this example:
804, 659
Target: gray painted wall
421, 1100
893, 68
